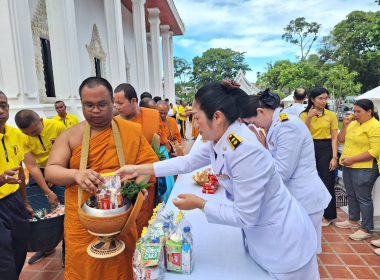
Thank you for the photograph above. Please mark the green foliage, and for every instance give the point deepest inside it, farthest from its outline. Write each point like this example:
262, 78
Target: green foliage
272, 76
340, 81
356, 50
132, 188
327, 48
302, 34
217, 64
161, 155
182, 69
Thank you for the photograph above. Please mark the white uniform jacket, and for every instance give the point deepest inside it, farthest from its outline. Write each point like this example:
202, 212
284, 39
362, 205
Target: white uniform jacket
280, 235
296, 109
291, 144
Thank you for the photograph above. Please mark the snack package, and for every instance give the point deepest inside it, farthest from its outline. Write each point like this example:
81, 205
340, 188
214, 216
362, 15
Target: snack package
173, 258
58, 211
109, 196
150, 253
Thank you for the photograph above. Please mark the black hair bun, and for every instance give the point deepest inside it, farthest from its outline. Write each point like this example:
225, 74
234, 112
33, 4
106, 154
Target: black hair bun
270, 98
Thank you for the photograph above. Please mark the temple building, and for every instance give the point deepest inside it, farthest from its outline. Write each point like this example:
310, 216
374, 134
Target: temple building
49, 47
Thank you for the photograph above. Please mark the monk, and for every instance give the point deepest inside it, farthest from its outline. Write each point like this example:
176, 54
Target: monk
63, 169
147, 102
174, 135
126, 102
194, 131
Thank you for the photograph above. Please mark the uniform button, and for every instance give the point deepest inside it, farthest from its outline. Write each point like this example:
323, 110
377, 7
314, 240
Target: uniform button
224, 148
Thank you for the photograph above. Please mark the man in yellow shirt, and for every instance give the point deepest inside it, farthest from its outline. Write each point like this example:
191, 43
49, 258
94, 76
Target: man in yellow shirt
14, 205
182, 115
40, 136
175, 110
67, 119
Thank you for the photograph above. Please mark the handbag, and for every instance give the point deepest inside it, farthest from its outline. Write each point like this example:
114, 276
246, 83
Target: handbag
177, 146
340, 193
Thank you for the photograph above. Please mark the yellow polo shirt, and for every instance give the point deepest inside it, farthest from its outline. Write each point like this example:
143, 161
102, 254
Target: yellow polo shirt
10, 156
361, 138
69, 121
181, 110
41, 145
320, 127
175, 110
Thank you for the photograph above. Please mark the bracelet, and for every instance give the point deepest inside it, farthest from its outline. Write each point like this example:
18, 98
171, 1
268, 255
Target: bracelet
335, 157
203, 206
47, 195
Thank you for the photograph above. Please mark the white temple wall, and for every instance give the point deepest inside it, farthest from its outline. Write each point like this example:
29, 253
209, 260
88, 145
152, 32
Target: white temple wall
88, 13
130, 46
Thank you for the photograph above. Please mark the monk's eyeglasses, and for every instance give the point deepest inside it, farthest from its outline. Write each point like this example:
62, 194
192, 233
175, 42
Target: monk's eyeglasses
91, 107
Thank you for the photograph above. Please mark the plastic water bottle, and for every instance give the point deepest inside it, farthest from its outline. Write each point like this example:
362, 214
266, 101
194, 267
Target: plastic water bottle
187, 251
187, 236
166, 229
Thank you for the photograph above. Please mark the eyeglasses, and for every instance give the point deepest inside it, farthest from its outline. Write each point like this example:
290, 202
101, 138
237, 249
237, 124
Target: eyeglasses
90, 107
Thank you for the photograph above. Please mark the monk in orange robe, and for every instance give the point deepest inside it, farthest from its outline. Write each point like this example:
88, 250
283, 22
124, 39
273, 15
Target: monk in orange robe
194, 131
174, 135
126, 102
62, 169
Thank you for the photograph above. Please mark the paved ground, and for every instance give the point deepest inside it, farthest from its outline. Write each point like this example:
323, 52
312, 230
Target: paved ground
342, 258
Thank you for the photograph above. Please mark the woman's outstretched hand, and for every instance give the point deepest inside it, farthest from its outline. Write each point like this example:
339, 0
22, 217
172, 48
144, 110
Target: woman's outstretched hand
188, 202
127, 172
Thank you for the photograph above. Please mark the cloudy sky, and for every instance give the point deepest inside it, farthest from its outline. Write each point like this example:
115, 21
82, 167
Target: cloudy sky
255, 26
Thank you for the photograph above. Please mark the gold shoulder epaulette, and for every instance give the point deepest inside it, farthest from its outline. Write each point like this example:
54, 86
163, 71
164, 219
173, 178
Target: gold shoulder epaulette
283, 117
234, 140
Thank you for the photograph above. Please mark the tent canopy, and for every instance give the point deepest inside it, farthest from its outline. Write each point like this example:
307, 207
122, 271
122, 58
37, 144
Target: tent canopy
373, 94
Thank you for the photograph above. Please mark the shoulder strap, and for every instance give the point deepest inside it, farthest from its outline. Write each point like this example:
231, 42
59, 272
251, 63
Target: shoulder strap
170, 128
85, 151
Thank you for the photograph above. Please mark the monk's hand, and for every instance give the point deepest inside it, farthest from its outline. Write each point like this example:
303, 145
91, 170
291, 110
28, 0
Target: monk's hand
188, 202
89, 180
127, 172
145, 193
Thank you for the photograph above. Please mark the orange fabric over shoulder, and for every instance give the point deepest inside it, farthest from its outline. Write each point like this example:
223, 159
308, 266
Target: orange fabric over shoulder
175, 130
102, 158
194, 131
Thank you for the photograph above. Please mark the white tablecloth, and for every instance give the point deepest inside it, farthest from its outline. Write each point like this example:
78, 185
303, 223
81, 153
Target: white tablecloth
219, 251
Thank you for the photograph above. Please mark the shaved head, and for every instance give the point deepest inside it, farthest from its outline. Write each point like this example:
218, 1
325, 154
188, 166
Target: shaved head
162, 103
25, 118
163, 109
3, 94
148, 103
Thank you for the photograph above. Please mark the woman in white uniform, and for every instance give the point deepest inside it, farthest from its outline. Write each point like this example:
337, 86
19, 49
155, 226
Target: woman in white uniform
289, 141
278, 232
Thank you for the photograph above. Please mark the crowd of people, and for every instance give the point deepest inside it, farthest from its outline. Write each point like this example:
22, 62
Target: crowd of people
278, 166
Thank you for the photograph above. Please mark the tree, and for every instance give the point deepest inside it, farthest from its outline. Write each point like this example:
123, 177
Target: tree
182, 71
302, 34
355, 50
327, 49
340, 81
299, 75
217, 64
314, 61
272, 75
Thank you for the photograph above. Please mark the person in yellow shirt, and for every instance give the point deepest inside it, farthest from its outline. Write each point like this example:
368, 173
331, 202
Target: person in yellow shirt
40, 136
67, 119
323, 126
182, 115
175, 110
14, 205
361, 139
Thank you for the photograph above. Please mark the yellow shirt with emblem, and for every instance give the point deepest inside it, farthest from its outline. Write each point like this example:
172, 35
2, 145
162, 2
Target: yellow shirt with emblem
320, 127
181, 110
10, 157
69, 121
52, 129
361, 138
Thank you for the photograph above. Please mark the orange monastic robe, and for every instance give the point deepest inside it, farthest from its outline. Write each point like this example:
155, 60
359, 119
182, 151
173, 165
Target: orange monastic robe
102, 158
151, 123
175, 130
194, 131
